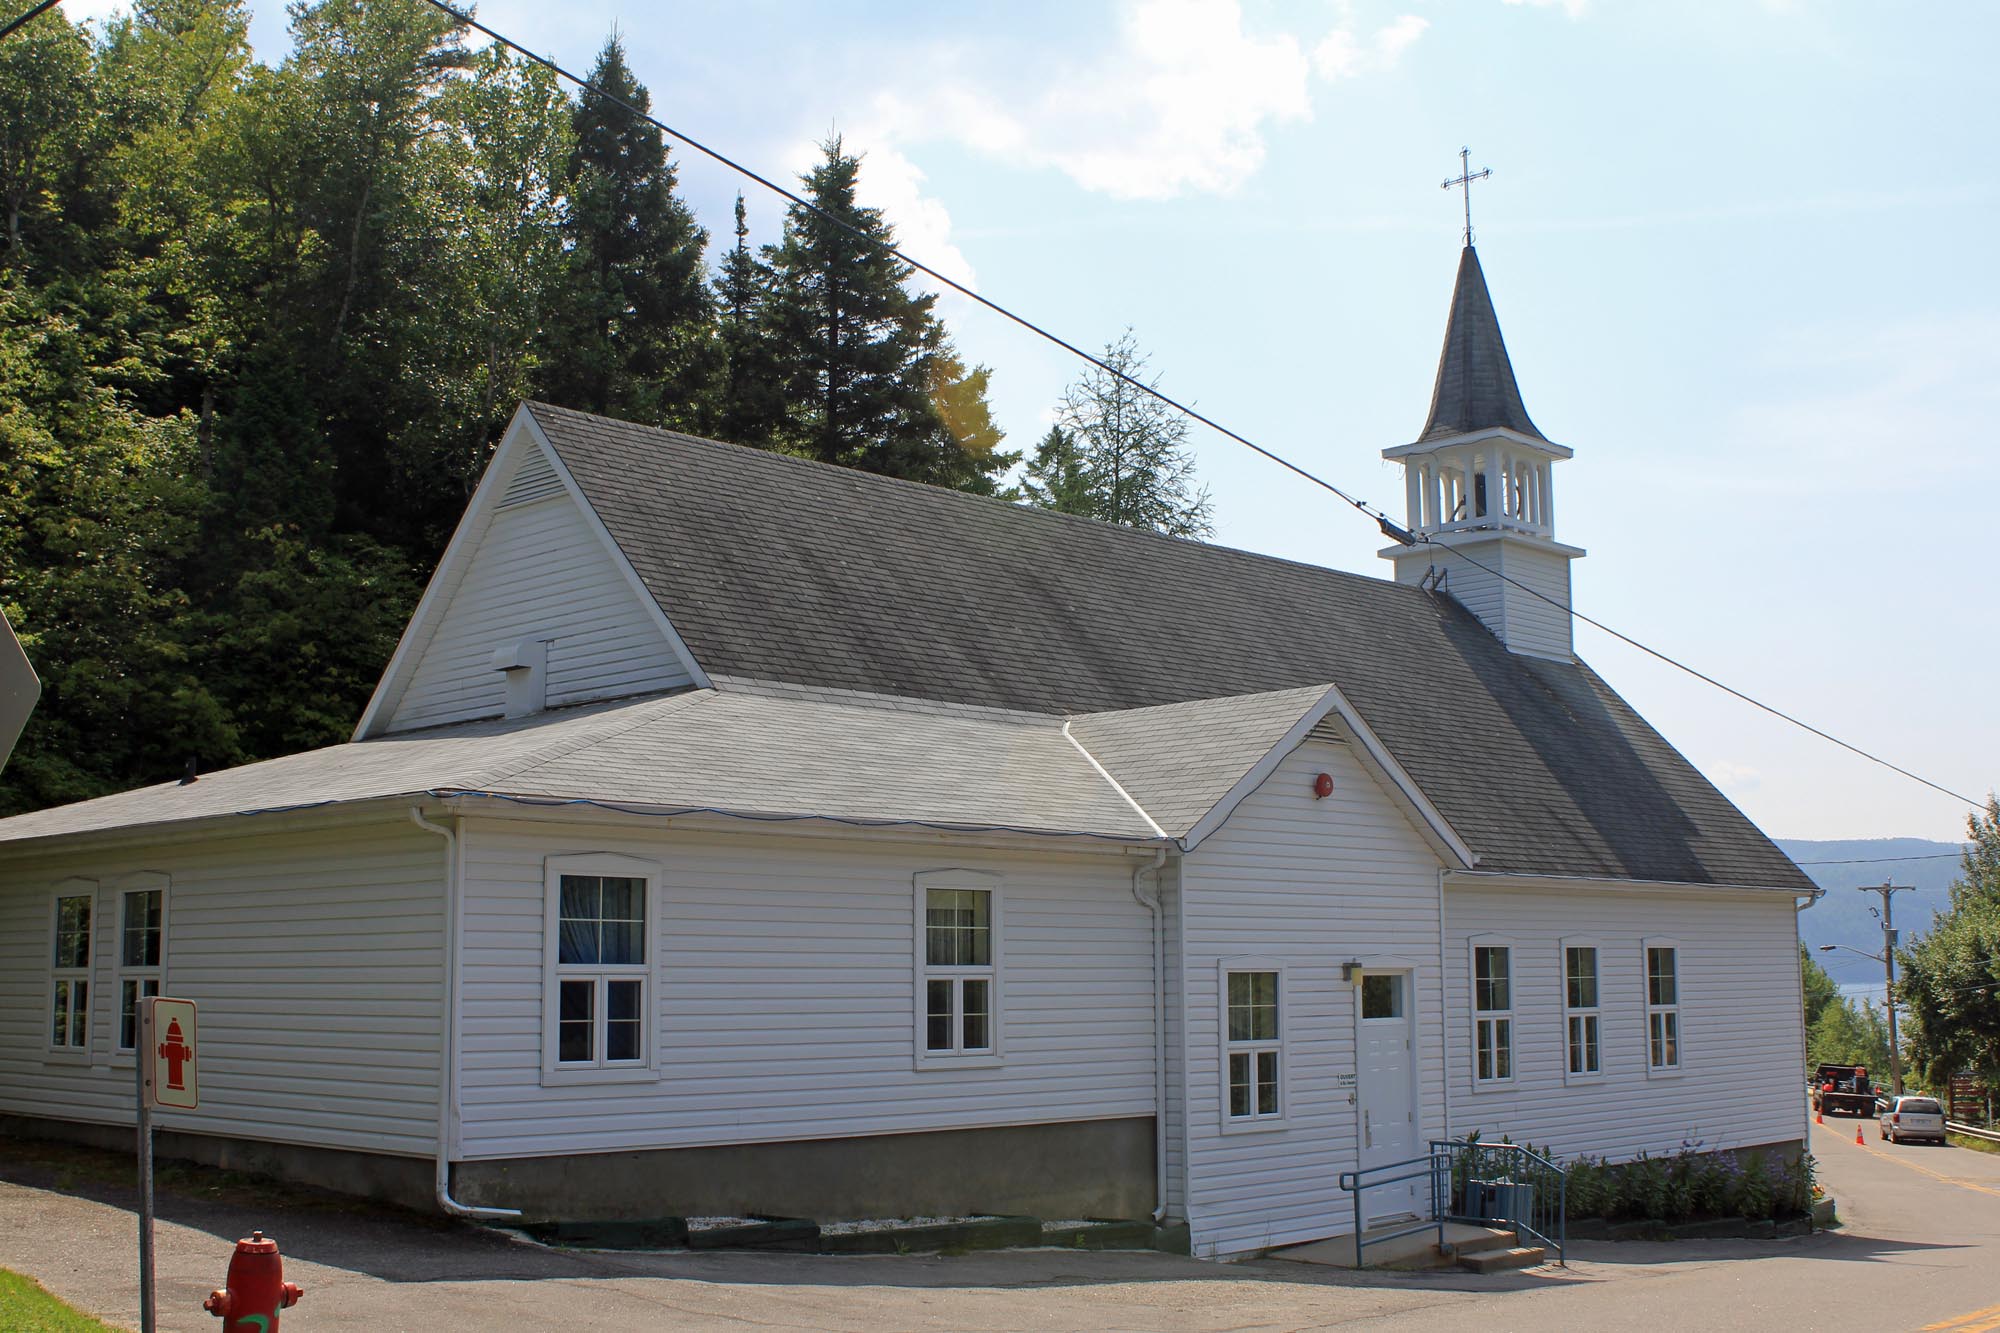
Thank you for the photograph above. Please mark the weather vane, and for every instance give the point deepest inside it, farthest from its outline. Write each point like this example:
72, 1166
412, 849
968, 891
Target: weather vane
1466, 175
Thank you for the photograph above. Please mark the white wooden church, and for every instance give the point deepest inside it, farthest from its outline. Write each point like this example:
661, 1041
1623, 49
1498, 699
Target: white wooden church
737, 834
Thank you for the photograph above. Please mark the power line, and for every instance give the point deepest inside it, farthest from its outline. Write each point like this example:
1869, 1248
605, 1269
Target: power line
1389, 527
42, 8
1705, 678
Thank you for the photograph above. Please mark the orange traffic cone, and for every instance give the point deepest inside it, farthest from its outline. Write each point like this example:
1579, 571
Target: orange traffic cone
1818, 1119
1857, 1136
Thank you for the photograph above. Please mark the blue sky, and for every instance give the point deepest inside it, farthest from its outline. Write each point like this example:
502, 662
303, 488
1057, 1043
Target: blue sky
1742, 253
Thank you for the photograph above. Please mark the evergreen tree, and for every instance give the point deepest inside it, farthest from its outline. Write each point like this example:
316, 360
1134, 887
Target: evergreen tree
1950, 981
1820, 990
1057, 477
750, 406
1120, 454
867, 371
635, 341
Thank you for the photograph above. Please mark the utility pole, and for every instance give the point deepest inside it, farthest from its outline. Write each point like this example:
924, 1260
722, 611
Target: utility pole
1888, 915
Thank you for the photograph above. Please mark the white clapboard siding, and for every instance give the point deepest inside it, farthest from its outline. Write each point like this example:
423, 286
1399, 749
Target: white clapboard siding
317, 965
1741, 1043
1535, 625
1311, 884
786, 1003
538, 571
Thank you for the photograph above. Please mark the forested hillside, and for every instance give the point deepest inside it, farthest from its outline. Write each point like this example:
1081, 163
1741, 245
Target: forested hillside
260, 326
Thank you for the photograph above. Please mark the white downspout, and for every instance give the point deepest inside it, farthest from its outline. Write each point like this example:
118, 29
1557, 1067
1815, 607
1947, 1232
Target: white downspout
1444, 1006
448, 1073
1153, 905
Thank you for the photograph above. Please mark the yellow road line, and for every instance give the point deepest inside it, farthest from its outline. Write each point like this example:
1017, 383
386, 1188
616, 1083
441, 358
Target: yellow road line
1979, 1321
1934, 1175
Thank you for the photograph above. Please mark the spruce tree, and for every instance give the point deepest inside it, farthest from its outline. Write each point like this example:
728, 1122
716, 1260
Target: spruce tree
865, 364
749, 403
635, 342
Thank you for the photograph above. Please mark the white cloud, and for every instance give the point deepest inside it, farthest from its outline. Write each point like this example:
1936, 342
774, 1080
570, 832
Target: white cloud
1179, 103
1343, 54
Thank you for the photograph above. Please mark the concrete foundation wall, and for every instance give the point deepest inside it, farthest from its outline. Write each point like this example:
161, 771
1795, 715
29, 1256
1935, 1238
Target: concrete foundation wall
409, 1181
1087, 1168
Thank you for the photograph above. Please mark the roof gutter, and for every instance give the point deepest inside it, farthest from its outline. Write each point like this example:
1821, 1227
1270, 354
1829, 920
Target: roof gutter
448, 1070
1518, 879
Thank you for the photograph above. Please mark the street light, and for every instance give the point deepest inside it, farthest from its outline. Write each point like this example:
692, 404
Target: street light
1888, 960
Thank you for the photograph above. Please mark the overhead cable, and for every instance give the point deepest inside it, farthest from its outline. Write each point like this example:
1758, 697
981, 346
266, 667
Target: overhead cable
1389, 527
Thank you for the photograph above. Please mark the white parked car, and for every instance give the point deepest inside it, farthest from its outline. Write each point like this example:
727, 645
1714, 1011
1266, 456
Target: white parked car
1913, 1118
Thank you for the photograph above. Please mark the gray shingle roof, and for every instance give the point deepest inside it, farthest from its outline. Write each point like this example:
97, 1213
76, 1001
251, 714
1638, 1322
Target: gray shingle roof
777, 569
1475, 387
742, 752
1178, 760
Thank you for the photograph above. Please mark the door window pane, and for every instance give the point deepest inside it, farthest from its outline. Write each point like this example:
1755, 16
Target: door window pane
1381, 997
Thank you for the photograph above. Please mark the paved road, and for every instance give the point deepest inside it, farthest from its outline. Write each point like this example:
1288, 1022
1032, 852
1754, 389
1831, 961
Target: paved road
1918, 1251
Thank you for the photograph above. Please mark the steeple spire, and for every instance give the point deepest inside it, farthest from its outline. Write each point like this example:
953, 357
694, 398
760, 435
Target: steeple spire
1475, 387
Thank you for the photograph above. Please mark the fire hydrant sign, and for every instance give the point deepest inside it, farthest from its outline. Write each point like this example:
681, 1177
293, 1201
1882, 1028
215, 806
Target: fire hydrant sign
171, 1062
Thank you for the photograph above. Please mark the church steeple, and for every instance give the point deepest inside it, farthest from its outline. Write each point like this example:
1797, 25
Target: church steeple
1475, 387
1479, 487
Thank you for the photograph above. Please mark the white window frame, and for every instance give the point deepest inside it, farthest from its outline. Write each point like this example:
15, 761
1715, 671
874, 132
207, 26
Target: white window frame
555, 1072
86, 889
1479, 1017
1253, 1123
1589, 1013
924, 972
1646, 947
150, 881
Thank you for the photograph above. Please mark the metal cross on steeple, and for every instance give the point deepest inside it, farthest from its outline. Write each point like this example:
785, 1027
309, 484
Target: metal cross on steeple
1466, 175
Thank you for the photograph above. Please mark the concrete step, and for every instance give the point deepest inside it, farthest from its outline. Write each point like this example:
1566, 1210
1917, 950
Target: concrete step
1464, 1240
1498, 1261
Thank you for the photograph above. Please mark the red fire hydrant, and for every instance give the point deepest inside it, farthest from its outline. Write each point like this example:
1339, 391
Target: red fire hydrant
257, 1288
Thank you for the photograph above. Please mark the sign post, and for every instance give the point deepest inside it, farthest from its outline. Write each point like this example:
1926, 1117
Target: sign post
167, 1071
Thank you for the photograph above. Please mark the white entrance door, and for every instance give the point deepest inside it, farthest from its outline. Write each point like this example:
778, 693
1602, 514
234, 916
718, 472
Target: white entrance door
1386, 1093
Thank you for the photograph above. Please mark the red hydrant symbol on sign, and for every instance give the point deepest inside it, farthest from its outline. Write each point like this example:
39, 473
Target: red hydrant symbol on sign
176, 1053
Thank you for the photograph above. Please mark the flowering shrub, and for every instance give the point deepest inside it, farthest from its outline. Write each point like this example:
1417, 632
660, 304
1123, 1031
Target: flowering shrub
1685, 1185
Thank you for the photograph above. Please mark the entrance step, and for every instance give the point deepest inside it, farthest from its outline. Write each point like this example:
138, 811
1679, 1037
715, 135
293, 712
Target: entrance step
1415, 1251
1498, 1261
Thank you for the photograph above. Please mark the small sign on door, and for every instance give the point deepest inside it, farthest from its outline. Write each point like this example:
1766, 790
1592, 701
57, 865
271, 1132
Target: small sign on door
172, 1065
1344, 1081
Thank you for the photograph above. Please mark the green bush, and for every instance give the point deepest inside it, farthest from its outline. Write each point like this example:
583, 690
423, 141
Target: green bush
1688, 1184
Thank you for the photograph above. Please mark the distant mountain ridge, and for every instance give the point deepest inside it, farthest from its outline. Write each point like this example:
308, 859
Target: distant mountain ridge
1842, 917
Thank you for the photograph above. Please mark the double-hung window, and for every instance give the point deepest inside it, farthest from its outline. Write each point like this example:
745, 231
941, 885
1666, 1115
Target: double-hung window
69, 971
958, 960
598, 1008
1663, 1007
1252, 1049
142, 929
1492, 1013
1581, 1019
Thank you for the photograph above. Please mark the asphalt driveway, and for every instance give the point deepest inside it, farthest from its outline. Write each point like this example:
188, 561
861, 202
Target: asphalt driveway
1919, 1250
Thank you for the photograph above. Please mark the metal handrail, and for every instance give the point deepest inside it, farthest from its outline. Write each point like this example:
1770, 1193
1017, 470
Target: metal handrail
1432, 1164
1519, 1167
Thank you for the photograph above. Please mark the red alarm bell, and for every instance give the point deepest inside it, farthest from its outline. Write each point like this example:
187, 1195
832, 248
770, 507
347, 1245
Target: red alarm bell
1322, 786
